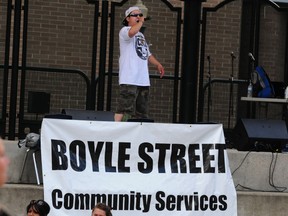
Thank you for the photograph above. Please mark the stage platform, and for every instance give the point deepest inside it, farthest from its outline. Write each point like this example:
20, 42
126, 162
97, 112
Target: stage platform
260, 179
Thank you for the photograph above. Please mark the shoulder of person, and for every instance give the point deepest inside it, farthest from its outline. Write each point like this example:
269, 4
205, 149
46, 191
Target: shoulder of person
124, 32
125, 28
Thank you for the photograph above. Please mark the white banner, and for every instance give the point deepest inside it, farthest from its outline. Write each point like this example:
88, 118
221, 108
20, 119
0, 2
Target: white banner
136, 168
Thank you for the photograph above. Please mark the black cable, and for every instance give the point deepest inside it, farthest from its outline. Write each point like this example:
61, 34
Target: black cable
241, 162
253, 189
247, 188
271, 174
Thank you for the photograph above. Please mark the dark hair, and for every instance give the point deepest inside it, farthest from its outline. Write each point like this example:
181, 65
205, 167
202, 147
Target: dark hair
125, 22
39, 206
103, 207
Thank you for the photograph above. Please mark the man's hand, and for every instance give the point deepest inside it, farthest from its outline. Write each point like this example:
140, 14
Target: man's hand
160, 68
155, 62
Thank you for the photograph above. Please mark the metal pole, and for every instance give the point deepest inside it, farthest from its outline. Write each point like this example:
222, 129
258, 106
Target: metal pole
15, 67
6, 68
191, 32
103, 48
94, 56
23, 74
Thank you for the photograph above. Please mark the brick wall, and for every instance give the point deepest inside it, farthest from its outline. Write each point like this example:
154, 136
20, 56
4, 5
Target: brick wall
222, 38
273, 35
60, 35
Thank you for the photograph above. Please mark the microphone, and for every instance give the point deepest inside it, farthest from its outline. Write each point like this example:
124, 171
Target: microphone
232, 55
208, 57
251, 56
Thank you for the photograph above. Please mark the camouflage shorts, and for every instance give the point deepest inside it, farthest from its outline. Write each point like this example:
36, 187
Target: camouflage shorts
133, 100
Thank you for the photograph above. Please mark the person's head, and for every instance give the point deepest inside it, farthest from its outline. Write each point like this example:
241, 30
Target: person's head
132, 16
4, 161
101, 209
38, 208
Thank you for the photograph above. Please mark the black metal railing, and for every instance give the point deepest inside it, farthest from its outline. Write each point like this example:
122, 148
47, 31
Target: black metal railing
12, 118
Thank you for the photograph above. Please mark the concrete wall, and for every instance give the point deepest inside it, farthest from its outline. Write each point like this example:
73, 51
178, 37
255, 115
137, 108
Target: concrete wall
259, 171
255, 170
252, 170
17, 156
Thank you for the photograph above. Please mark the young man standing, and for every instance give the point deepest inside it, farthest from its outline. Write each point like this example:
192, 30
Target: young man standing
133, 67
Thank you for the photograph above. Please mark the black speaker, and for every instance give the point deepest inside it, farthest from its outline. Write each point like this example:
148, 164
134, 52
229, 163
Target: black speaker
38, 102
58, 116
90, 115
260, 135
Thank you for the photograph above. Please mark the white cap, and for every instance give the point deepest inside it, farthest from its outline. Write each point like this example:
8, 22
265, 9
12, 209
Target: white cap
127, 12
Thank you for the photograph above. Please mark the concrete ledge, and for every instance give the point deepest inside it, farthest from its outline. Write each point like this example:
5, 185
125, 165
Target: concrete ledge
262, 203
16, 197
259, 171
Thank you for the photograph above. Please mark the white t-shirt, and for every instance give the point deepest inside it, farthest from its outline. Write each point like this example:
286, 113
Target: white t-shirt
133, 61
